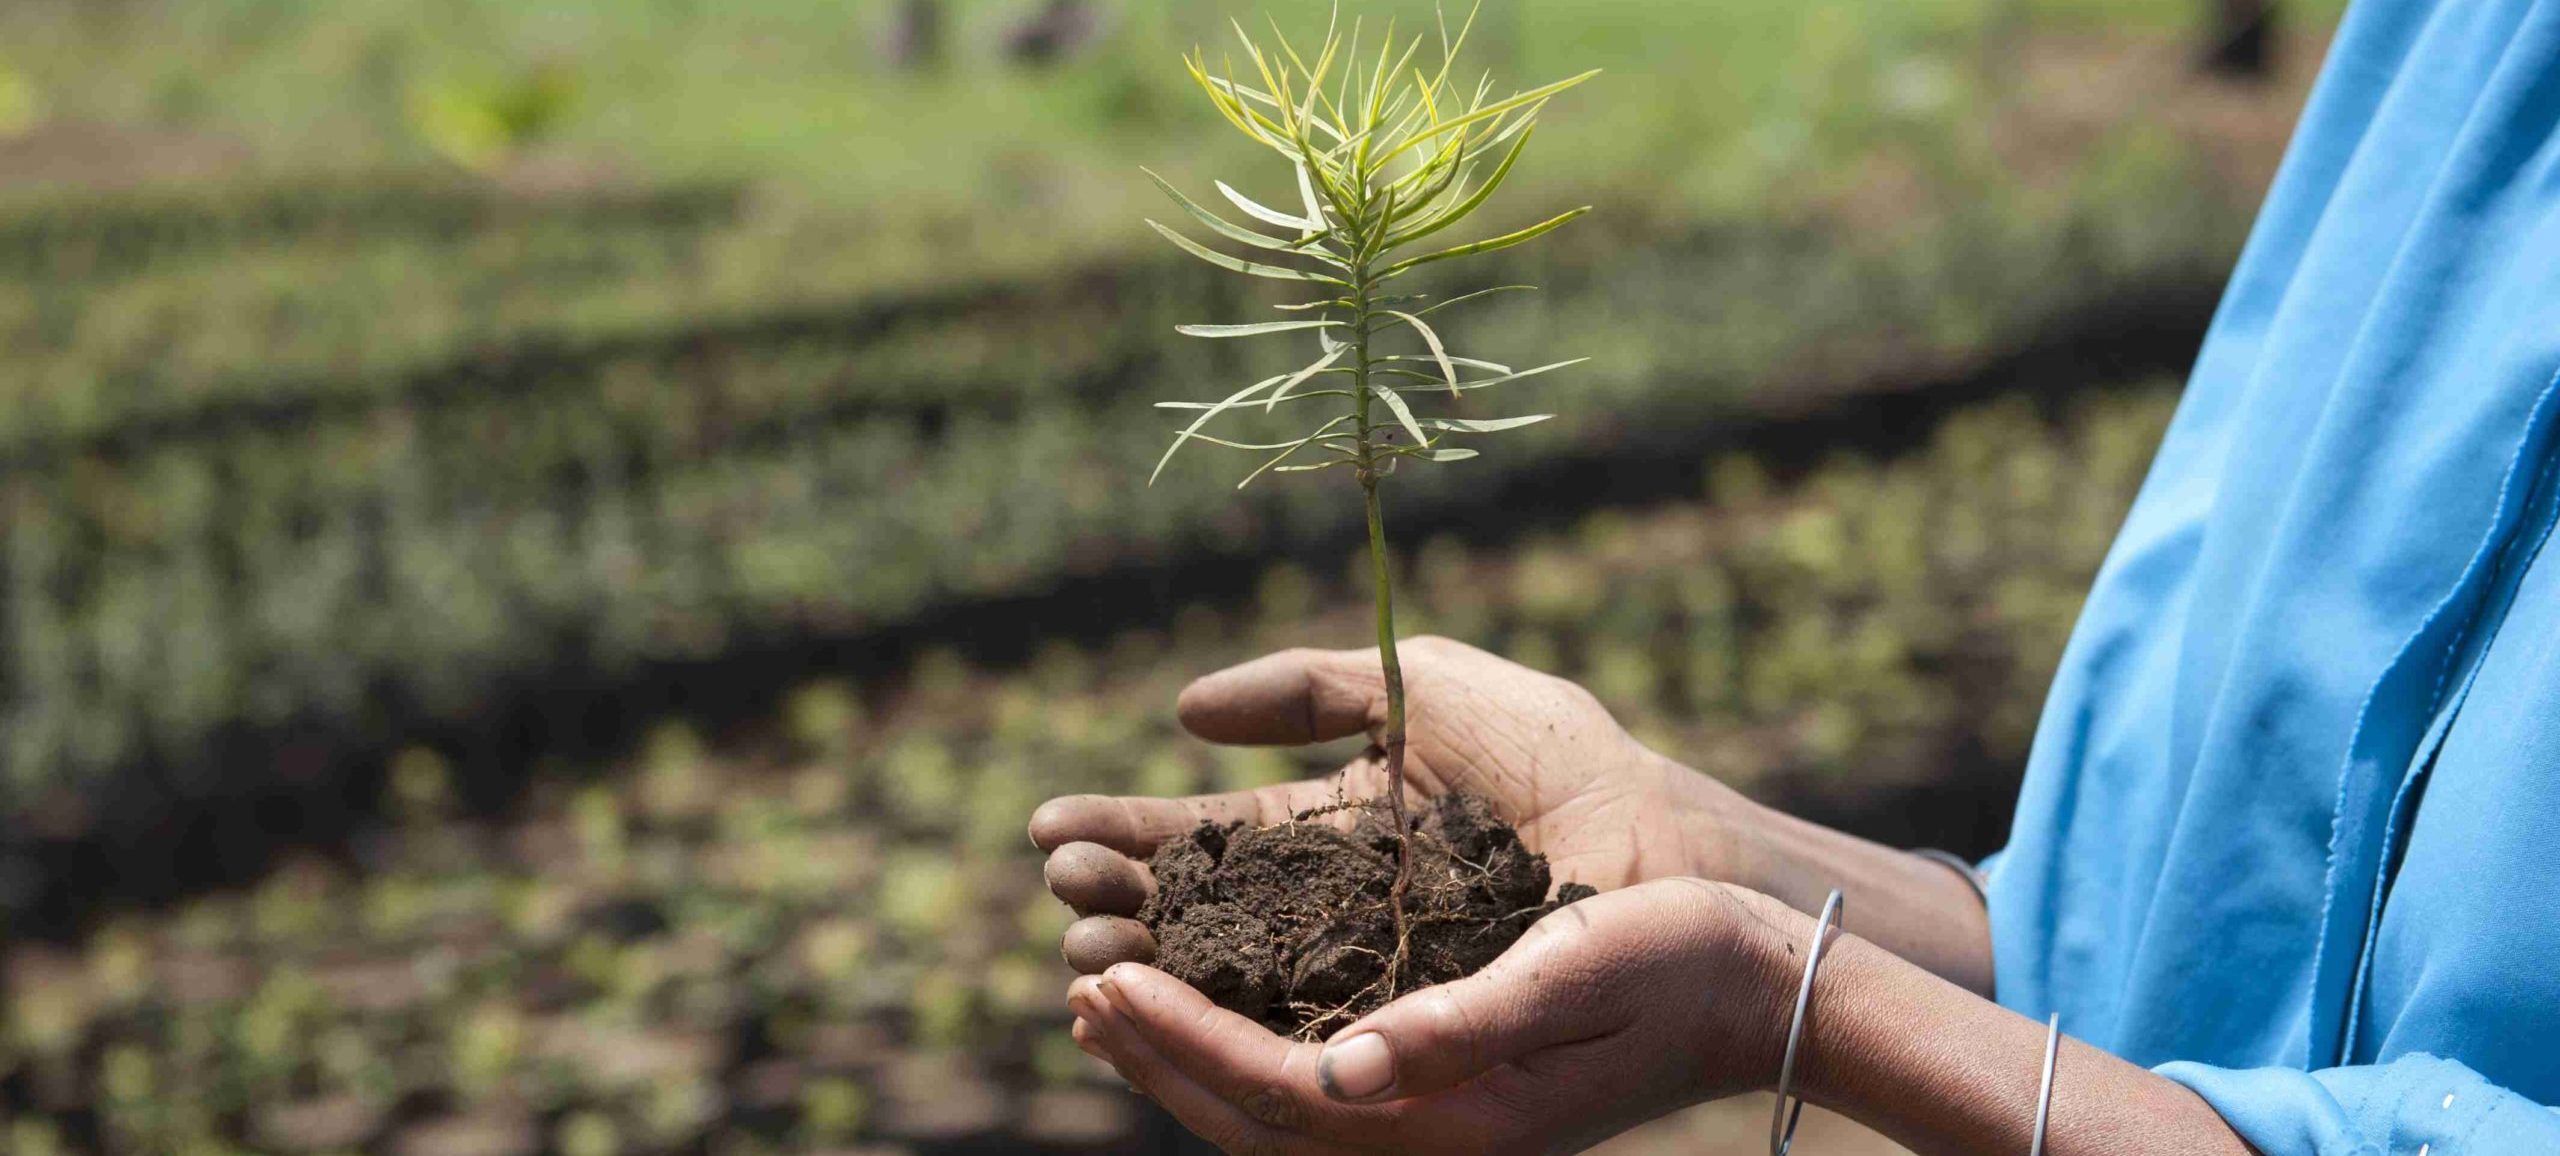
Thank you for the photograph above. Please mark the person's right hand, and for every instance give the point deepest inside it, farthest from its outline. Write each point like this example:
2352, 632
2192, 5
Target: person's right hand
1605, 810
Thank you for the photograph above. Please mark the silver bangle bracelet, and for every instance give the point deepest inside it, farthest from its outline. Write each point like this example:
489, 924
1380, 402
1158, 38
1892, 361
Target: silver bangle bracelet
2044, 1092
1972, 874
1782, 1122
1783, 1118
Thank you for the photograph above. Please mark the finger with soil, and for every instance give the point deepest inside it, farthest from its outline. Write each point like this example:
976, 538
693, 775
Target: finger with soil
1137, 825
1093, 944
1096, 880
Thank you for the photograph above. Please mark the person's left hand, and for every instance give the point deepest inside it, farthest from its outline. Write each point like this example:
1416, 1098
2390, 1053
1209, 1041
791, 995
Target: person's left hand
1608, 1012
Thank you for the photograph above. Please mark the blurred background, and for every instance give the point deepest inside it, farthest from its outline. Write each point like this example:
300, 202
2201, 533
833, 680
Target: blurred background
548, 549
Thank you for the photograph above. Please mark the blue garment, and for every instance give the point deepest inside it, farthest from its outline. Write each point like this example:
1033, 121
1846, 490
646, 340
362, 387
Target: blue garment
2291, 829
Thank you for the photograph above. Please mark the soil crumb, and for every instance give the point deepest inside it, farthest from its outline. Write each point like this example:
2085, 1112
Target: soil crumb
1290, 924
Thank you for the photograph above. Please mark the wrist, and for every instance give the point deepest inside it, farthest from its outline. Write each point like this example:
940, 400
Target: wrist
1721, 830
1848, 1015
1835, 1065
1938, 1070
1910, 1055
1913, 907
1765, 951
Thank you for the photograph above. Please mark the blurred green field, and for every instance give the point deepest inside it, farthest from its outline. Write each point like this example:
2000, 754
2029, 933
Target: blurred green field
830, 929
330, 448
1708, 107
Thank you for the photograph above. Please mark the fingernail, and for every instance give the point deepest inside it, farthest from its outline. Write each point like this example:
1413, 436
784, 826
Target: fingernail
1358, 1068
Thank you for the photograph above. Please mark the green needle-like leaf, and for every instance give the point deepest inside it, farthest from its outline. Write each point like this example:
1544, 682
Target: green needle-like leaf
1470, 297
1233, 400
1471, 386
1291, 397
1281, 392
1447, 455
1294, 443
1490, 111
1250, 329
1458, 212
1256, 268
1488, 245
1291, 448
1404, 413
1332, 354
1258, 211
1221, 226
1483, 424
1307, 194
1439, 352
1435, 176
1454, 359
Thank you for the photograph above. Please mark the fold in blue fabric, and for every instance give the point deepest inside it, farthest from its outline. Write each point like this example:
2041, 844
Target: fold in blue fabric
2289, 828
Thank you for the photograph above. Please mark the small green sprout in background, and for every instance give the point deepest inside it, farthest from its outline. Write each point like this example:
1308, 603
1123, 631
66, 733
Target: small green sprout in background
1385, 154
21, 105
482, 121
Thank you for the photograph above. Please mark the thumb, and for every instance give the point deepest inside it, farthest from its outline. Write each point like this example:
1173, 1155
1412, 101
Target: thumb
1443, 1036
1288, 698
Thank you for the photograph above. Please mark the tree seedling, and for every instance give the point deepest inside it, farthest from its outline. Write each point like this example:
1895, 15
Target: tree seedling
1386, 154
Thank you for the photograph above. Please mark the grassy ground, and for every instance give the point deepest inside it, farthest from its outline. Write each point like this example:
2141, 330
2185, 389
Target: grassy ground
344, 454
1701, 101
1744, 112
829, 929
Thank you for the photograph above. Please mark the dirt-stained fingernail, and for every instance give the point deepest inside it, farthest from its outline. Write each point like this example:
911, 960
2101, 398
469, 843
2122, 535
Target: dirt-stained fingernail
1124, 982
1084, 1000
1360, 1068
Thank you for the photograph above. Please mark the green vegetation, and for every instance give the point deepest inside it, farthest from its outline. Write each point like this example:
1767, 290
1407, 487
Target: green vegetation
302, 470
836, 932
1740, 98
747, 333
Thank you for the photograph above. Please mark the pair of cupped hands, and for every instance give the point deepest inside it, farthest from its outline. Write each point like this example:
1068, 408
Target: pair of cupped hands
1671, 986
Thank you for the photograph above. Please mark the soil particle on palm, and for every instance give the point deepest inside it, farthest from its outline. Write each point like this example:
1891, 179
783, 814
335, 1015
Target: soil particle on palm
1290, 924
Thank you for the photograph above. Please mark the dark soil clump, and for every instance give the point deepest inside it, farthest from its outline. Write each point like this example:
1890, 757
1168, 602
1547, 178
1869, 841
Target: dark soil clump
1291, 925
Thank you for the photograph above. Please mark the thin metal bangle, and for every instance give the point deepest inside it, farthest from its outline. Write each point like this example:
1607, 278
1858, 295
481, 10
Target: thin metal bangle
1972, 874
1782, 1122
2044, 1093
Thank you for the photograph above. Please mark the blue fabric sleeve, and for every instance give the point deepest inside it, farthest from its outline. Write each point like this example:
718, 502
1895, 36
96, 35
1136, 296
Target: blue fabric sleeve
2411, 1104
